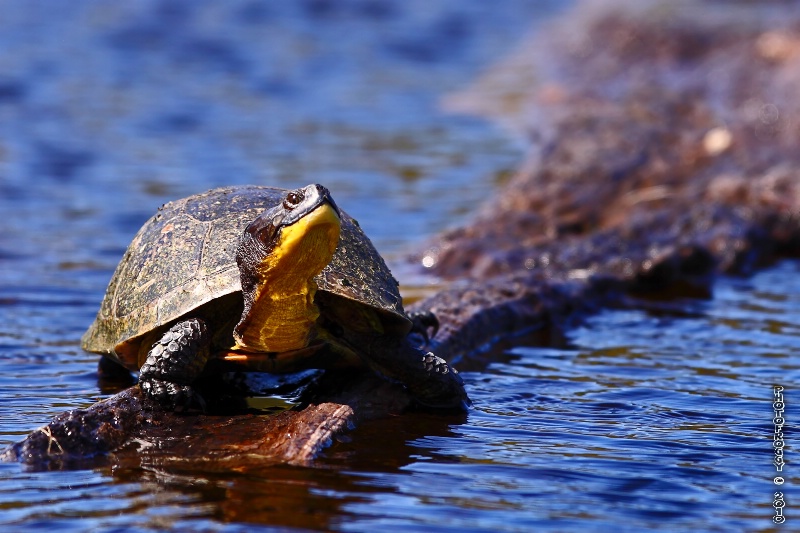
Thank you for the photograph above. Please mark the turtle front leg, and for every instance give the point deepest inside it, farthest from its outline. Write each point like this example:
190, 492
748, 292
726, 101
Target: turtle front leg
430, 379
174, 362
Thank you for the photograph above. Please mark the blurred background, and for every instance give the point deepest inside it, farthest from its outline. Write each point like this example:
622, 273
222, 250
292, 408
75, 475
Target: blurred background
109, 109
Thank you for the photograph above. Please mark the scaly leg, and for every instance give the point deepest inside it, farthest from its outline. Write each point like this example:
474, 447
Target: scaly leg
174, 362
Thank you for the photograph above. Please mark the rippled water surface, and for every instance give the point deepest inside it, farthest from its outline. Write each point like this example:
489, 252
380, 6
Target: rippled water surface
658, 419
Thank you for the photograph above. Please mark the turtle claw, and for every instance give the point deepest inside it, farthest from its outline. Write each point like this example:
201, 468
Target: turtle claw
436, 365
172, 396
421, 322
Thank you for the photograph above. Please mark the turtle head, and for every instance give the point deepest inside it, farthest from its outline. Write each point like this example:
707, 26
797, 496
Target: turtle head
279, 254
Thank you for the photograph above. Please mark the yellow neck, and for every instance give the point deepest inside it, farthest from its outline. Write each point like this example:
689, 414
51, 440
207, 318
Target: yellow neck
283, 314
279, 322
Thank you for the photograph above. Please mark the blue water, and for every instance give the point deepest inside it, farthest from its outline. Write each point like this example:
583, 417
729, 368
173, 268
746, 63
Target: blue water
639, 420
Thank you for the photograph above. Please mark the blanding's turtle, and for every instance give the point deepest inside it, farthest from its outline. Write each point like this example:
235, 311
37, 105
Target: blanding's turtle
261, 279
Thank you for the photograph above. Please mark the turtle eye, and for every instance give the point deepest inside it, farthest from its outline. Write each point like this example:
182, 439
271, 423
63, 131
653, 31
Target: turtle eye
293, 199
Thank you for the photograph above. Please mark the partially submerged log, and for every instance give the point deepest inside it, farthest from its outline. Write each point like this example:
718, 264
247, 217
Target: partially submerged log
128, 427
664, 151
653, 171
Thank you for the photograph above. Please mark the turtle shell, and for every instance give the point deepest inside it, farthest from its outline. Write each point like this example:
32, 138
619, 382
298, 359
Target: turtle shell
185, 257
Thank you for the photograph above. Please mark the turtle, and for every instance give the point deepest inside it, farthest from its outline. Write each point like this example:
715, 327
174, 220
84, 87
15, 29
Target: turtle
260, 279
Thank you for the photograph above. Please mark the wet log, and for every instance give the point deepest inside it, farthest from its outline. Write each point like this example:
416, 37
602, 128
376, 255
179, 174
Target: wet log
128, 428
663, 152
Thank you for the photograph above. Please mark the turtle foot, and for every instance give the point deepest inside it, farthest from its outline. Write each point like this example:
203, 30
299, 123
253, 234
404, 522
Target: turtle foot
174, 362
442, 387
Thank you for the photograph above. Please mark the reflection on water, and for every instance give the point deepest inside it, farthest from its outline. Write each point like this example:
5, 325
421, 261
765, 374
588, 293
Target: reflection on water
656, 420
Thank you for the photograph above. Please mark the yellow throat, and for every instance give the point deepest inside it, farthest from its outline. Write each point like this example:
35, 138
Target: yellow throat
283, 314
